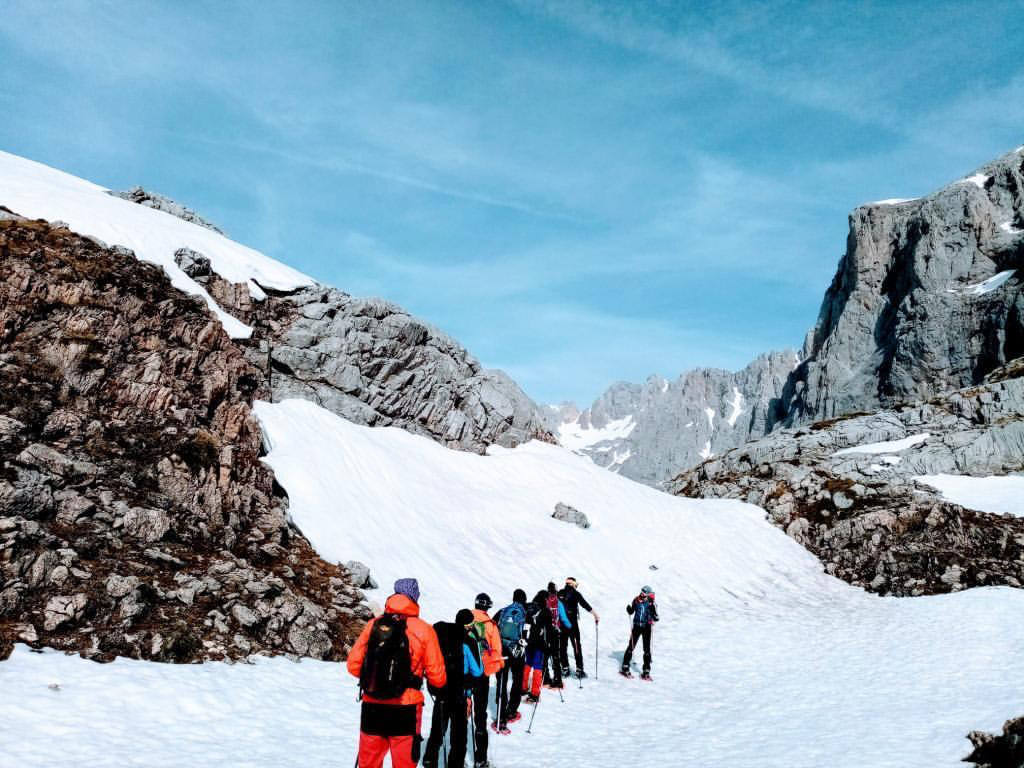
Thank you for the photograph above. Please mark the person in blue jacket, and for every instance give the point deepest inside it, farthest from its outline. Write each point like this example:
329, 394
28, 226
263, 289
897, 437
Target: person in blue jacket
461, 650
644, 611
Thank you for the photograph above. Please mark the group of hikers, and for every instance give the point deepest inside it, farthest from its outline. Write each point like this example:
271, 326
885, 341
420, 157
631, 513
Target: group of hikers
524, 646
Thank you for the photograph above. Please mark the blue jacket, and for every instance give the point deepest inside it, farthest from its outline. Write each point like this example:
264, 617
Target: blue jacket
471, 666
563, 615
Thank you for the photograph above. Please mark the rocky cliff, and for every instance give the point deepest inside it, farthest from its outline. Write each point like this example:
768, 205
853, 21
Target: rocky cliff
920, 338
852, 490
135, 516
926, 299
648, 431
368, 360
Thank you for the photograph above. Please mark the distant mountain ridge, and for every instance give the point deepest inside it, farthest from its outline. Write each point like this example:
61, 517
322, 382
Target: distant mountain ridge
648, 431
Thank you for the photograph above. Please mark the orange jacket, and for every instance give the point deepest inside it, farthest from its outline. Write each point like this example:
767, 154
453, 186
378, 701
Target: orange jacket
492, 655
424, 650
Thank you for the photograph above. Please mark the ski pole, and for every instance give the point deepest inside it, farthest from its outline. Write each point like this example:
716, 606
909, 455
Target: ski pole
472, 723
529, 728
444, 733
597, 634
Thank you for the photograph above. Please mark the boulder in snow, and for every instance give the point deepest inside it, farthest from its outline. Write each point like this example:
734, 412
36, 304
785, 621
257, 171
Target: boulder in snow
568, 514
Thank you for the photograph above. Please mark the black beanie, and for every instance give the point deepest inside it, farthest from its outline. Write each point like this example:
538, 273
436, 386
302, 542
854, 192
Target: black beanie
551, 587
464, 617
519, 596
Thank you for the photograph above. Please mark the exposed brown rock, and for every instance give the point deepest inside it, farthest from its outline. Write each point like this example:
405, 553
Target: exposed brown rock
135, 516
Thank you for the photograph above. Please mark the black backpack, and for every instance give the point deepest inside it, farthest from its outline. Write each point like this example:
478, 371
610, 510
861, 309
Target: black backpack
450, 639
387, 668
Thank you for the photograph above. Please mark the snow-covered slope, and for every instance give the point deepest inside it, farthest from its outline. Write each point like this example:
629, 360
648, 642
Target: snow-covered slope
999, 494
760, 660
37, 191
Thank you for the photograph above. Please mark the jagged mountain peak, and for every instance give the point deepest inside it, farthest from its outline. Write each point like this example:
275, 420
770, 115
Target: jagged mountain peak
646, 431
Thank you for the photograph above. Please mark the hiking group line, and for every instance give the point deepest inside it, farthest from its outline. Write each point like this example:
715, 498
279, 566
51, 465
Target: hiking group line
524, 646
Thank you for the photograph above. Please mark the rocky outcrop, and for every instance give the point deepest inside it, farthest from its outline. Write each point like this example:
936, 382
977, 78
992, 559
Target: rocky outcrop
649, 431
369, 361
927, 299
135, 516
160, 203
569, 514
998, 750
372, 363
864, 514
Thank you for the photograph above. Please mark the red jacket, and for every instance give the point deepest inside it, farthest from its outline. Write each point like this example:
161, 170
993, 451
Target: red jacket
424, 650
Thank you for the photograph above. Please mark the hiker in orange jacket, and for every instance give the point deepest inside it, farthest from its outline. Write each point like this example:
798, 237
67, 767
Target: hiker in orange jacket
490, 655
394, 723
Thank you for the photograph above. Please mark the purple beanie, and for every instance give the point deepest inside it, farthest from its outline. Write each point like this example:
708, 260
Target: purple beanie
408, 587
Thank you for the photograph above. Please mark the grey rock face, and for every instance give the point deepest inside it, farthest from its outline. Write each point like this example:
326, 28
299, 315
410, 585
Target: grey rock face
193, 263
649, 431
369, 361
360, 574
909, 314
864, 514
568, 514
366, 360
165, 204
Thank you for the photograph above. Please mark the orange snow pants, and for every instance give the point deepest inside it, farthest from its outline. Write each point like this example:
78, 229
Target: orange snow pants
373, 747
538, 678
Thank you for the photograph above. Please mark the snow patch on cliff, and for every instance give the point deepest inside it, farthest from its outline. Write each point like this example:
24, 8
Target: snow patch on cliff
37, 191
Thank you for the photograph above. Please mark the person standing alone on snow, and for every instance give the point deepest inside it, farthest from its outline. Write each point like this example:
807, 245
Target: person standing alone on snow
490, 657
462, 663
391, 657
644, 611
573, 601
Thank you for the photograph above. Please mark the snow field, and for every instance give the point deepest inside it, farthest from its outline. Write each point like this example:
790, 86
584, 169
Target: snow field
37, 191
1000, 495
888, 446
576, 437
760, 660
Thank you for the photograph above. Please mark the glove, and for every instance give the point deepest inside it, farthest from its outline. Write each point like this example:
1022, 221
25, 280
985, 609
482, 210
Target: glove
518, 649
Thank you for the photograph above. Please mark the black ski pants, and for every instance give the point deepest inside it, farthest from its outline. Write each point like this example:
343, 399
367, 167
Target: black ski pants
553, 662
508, 700
448, 710
571, 636
638, 633
481, 691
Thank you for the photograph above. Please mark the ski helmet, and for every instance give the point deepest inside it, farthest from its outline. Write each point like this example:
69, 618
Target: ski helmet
645, 590
483, 601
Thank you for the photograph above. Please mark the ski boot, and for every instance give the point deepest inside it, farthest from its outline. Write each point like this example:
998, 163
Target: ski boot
624, 671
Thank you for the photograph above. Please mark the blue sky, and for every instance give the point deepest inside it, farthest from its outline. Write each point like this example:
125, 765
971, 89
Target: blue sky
579, 192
